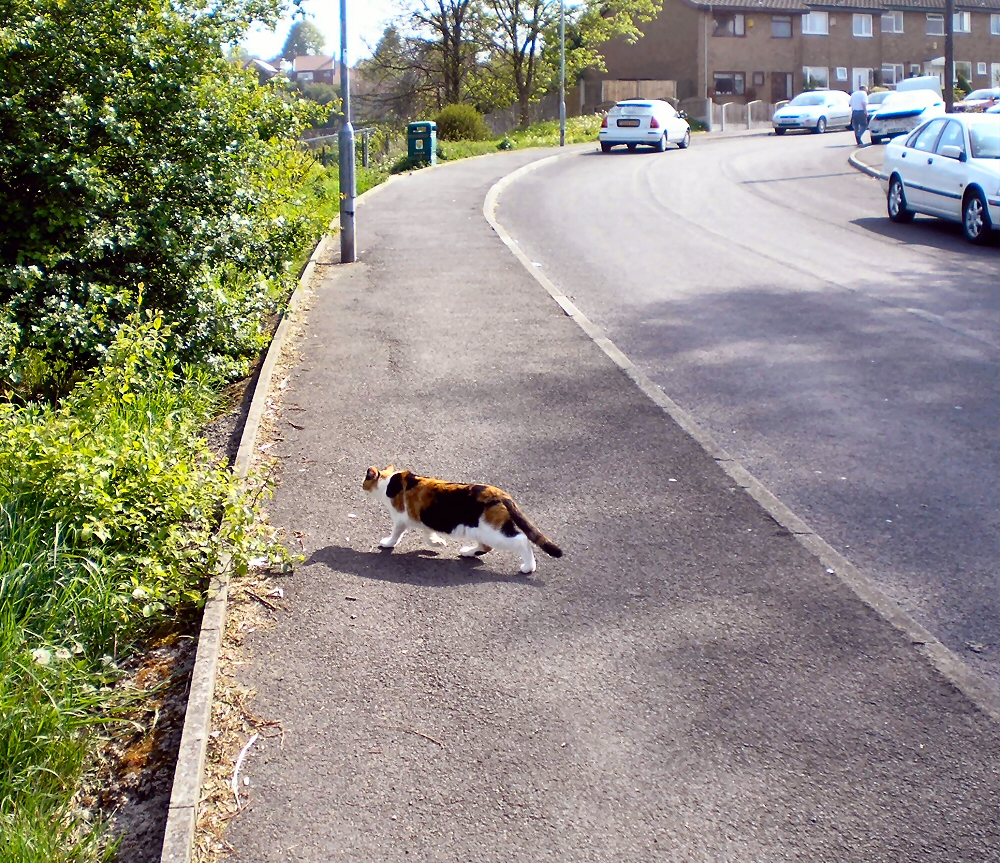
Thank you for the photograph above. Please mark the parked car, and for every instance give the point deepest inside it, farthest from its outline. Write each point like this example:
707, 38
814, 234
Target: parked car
994, 110
652, 122
949, 167
902, 112
816, 110
979, 100
875, 101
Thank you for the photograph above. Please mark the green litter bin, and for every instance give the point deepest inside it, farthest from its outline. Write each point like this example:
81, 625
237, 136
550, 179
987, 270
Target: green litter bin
421, 141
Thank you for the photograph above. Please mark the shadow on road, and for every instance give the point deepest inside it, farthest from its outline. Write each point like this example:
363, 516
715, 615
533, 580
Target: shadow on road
423, 567
930, 232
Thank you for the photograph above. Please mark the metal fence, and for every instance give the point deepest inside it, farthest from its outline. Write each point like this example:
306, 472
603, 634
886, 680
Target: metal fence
327, 145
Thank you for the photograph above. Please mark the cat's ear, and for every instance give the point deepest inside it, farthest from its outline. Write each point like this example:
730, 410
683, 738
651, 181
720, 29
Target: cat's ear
372, 474
390, 469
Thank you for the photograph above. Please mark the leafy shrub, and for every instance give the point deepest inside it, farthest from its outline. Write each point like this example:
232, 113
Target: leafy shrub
135, 154
461, 123
407, 163
505, 144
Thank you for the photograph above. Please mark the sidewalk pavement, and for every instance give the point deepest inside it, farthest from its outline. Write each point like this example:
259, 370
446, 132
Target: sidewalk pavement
868, 159
686, 683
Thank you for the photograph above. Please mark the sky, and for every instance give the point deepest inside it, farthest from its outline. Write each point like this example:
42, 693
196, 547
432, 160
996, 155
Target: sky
366, 19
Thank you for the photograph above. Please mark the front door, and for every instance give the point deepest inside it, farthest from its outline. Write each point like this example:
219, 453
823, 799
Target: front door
781, 86
995, 74
860, 78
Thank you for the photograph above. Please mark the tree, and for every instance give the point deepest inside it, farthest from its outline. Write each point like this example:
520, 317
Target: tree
403, 77
452, 26
139, 168
304, 38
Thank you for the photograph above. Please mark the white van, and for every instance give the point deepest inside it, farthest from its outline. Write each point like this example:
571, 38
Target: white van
924, 82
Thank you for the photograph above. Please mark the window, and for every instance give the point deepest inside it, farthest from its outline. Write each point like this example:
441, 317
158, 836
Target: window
926, 139
730, 83
952, 136
914, 69
304, 76
980, 68
758, 79
963, 22
892, 22
892, 73
815, 24
816, 77
963, 73
781, 26
935, 24
995, 25
841, 73
729, 25
863, 26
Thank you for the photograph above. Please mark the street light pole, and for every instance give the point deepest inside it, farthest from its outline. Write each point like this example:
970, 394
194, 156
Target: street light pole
949, 55
562, 73
348, 187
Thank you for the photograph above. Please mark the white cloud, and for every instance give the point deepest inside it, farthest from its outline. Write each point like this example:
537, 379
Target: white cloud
366, 19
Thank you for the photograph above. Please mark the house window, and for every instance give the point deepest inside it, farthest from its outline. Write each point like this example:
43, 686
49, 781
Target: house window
863, 26
892, 74
781, 26
935, 24
963, 72
816, 77
304, 76
980, 68
816, 24
729, 25
730, 83
914, 69
963, 22
758, 79
841, 73
995, 25
892, 22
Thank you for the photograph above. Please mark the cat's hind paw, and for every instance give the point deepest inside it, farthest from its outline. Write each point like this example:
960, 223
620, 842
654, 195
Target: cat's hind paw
387, 542
469, 550
439, 541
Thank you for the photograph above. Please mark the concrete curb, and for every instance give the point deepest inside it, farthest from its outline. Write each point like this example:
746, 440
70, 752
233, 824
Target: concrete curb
977, 690
858, 165
182, 814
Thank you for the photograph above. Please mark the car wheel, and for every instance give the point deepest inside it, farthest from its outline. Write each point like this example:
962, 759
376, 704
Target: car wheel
877, 139
605, 147
685, 142
896, 202
780, 131
820, 126
631, 147
661, 145
976, 218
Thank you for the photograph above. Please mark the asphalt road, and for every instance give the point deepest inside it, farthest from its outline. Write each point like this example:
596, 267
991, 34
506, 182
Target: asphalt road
686, 684
849, 363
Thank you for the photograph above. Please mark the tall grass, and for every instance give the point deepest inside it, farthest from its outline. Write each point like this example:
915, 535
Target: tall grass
109, 509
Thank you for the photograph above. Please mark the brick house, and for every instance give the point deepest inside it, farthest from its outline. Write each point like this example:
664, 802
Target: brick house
740, 50
313, 68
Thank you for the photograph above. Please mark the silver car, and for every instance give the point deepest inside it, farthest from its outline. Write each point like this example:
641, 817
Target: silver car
815, 110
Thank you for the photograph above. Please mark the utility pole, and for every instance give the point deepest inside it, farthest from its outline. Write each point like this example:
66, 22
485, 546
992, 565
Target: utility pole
348, 187
949, 55
562, 73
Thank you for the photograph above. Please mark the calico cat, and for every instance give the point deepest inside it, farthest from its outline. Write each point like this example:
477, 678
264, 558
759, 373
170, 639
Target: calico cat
482, 513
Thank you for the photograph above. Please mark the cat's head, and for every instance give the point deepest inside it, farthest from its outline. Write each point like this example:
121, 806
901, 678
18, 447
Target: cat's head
374, 476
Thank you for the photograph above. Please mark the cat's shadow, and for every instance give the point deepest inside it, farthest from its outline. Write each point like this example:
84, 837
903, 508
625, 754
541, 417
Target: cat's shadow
419, 566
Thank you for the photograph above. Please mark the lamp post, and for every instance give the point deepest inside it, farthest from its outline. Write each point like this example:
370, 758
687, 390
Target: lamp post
348, 187
949, 55
562, 73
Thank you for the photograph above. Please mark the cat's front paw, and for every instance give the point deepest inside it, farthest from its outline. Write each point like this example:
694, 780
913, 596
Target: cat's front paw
469, 550
527, 568
439, 541
387, 542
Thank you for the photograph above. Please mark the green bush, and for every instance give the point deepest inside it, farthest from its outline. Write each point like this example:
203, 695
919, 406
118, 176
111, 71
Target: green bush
461, 123
133, 154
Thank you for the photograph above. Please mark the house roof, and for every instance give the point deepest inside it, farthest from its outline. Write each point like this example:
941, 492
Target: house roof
312, 63
785, 6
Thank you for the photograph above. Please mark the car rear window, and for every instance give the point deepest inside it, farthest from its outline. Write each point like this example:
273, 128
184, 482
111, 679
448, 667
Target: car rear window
984, 138
634, 109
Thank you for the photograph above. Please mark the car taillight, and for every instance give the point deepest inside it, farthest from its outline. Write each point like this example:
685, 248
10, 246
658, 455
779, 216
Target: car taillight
604, 122
654, 123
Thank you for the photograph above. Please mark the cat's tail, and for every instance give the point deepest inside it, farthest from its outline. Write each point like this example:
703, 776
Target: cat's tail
530, 531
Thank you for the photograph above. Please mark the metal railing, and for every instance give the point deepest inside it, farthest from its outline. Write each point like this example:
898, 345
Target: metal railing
365, 136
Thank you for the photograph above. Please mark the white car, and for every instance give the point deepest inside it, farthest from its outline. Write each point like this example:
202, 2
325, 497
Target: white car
875, 101
652, 122
902, 112
816, 110
949, 167
979, 100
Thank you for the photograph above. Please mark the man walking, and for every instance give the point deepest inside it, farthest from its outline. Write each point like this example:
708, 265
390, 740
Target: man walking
859, 112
